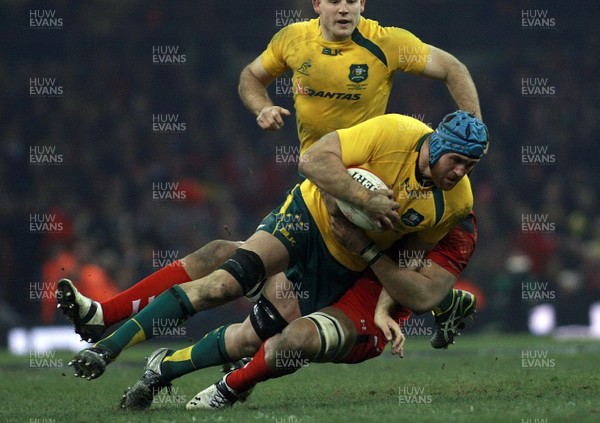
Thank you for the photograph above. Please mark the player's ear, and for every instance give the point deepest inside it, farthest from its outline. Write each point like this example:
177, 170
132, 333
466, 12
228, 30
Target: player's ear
317, 6
362, 5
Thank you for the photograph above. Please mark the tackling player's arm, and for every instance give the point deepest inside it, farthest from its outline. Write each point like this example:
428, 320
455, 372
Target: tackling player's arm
322, 164
443, 66
388, 325
418, 291
252, 89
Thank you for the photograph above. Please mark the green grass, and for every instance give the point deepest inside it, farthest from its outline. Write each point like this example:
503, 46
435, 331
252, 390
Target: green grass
480, 379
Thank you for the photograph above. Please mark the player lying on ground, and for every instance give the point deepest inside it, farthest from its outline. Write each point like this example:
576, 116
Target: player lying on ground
399, 149
351, 330
357, 41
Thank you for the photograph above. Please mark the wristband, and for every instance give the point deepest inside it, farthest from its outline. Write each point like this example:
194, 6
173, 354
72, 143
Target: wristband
370, 253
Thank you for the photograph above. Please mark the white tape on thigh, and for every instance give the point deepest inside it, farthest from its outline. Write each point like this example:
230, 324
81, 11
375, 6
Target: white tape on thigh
331, 335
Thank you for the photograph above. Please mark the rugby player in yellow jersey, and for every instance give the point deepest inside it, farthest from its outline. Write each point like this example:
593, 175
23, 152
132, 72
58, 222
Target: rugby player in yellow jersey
343, 67
397, 148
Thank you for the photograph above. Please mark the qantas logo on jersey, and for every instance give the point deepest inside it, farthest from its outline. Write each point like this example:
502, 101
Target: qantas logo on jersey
328, 94
301, 90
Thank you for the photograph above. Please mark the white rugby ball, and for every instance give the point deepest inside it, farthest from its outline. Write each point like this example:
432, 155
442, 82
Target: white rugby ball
354, 213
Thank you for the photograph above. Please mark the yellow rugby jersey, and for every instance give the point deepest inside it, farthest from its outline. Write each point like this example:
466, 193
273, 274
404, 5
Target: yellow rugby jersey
340, 84
388, 146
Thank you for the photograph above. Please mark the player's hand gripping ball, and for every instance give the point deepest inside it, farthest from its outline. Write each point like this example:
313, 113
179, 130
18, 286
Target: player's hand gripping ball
355, 213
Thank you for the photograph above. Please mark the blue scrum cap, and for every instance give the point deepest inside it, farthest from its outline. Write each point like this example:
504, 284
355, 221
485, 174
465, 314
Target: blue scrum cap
459, 132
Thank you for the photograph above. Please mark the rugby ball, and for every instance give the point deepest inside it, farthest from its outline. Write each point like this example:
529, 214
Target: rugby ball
354, 213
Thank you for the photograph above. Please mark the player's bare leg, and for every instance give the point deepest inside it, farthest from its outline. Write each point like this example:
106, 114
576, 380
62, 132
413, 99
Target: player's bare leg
221, 346
325, 336
91, 318
243, 273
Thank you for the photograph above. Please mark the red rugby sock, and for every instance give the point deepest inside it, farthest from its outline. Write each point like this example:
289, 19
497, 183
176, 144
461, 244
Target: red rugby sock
131, 301
252, 373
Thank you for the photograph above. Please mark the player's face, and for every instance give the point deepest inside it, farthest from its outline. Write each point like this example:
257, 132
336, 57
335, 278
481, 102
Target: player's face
450, 169
339, 18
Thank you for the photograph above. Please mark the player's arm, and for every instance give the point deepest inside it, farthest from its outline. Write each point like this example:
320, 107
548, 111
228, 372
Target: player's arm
322, 164
418, 291
388, 325
252, 89
443, 66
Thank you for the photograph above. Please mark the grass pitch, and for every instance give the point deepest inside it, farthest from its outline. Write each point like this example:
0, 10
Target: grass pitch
483, 378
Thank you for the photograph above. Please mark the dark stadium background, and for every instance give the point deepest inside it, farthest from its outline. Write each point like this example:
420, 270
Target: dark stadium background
100, 126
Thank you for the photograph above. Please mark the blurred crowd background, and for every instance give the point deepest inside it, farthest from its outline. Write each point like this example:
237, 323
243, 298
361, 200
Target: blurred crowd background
225, 174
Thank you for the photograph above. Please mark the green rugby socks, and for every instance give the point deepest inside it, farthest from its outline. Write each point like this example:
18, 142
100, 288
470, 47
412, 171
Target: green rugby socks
168, 310
209, 351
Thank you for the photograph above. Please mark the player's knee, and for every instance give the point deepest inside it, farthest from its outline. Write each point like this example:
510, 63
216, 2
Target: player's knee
248, 269
298, 340
266, 319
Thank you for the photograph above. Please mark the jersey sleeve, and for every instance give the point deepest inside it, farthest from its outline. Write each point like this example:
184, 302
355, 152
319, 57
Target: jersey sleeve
362, 142
273, 58
409, 54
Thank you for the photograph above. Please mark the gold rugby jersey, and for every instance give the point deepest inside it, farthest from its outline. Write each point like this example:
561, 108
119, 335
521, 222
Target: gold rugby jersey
388, 146
340, 84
